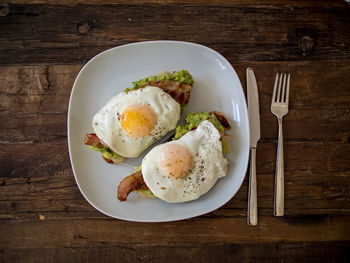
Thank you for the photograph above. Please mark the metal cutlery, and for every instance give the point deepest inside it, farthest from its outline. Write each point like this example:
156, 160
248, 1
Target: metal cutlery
279, 107
254, 123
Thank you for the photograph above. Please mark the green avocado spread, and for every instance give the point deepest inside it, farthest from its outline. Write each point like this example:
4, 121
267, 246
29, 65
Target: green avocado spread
182, 76
143, 192
106, 152
193, 120
138, 168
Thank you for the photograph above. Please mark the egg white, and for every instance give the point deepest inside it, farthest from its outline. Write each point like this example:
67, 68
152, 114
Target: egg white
107, 125
209, 165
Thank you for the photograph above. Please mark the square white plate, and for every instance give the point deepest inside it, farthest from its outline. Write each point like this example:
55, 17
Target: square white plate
216, 87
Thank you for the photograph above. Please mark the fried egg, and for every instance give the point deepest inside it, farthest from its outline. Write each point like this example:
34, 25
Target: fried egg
184, 169
132, 121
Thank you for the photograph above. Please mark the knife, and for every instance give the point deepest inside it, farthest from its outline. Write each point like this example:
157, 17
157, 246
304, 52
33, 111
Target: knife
254, 123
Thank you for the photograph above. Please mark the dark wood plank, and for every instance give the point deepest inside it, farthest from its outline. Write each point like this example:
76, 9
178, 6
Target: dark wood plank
34, 159
21, 159
34, 100
226, 252
37, 178
311, 82
315, 85
55, 196
297, 3
102, 232
47, 33
36, 127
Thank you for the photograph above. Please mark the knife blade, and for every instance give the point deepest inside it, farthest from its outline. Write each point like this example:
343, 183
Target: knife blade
254, 123
253, 108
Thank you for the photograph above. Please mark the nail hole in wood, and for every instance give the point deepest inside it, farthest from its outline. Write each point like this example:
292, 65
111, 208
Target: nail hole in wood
4, 9
83, 28
306, 44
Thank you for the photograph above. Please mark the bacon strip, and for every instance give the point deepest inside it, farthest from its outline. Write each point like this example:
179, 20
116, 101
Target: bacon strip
222, 119
178, 91
93, 140
128, 184
107, 160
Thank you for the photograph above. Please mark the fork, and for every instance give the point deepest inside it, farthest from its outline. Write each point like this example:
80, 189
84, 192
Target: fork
279, 107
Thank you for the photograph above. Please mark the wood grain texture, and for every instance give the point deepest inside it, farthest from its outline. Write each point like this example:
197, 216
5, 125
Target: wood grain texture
39, 178
227, 252
298, 3
47, 33
36, 97
43, 231
45, 218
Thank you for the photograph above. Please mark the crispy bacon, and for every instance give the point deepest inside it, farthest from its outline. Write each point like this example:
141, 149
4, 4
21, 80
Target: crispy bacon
178, 91
128, 184
93, 140
222, 119
107, 160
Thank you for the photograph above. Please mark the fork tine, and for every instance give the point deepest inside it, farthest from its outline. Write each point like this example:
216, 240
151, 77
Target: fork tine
283, 87
287, 92
279, 88
274, 90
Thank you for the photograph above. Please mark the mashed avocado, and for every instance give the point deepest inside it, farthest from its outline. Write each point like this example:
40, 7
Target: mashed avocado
182, 76
183, 107
193, 120
106, 152
225, 147
138, 168
144, 193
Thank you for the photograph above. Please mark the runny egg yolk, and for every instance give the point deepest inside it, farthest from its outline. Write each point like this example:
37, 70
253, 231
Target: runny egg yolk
138, 120
176, 160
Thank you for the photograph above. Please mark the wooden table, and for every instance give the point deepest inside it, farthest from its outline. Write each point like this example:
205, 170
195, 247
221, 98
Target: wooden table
43, 215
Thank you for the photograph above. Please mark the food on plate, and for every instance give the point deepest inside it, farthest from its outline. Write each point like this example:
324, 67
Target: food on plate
186, 167
131, 121
139, 116
134, 182
178, 84
97, 145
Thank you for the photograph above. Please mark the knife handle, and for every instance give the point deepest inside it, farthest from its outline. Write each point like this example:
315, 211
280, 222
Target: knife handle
252, 192
279, 177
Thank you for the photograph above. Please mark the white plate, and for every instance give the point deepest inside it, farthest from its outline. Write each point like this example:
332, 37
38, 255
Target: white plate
216, 87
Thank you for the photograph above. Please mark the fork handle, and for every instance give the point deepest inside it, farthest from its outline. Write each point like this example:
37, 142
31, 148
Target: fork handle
279, 177
252, 191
